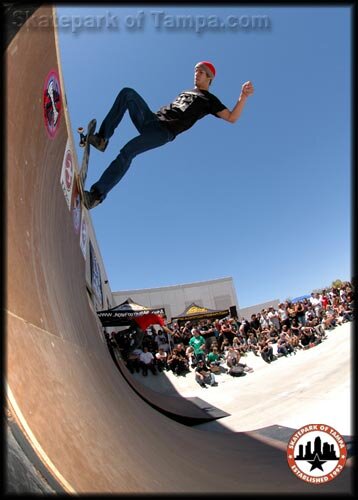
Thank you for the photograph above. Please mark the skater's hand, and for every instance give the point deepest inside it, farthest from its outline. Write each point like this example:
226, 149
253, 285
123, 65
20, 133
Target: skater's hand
247, 89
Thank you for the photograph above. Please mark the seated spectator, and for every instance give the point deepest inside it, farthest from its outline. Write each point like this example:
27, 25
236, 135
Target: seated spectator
284, 344
146, 360
308, 338
253, 344
214, 359
233, 359
204, 376
225, 346
215, 344
345, 312
295, 327
177, 363
316, 323
327, 320
133, 362
190, 356
232, 356
266, 351
296, 334
242, 340
273, 334
161, 358
181, 350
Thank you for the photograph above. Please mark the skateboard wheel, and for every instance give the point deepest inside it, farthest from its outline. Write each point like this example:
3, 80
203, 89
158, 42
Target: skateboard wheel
80, 130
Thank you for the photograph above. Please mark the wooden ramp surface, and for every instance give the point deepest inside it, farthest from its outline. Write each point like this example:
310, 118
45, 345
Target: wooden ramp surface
92, 431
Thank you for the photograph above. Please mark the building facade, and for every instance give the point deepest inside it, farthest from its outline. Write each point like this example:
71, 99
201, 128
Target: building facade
213, 294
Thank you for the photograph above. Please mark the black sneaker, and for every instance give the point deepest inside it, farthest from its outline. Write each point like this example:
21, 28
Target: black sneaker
98, 142
91, 199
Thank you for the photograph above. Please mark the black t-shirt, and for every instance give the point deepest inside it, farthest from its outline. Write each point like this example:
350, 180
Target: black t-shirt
189, 107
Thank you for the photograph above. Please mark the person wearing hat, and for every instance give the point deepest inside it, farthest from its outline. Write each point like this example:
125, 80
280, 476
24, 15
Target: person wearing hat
157, 129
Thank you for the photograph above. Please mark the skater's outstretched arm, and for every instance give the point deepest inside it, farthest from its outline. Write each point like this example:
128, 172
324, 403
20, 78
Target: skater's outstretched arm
247, 89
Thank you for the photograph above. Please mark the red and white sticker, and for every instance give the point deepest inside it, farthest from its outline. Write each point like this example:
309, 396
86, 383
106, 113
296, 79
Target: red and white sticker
316, 453
52, 103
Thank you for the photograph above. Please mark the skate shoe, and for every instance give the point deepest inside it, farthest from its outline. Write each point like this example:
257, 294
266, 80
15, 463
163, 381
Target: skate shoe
91, 199
98, 142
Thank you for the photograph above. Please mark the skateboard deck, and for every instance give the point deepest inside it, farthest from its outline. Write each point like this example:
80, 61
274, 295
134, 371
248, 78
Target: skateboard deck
82, 175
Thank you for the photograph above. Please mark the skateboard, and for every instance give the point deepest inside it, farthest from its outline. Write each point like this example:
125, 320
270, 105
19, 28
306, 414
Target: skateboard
82, 175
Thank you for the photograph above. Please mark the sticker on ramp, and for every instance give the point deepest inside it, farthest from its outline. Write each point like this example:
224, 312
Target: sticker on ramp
316, 453
52, 103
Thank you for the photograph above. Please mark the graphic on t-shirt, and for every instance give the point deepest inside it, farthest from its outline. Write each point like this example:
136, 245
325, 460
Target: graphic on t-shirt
184, 100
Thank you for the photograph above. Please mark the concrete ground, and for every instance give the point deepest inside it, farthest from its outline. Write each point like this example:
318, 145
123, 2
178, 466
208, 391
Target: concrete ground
312, 386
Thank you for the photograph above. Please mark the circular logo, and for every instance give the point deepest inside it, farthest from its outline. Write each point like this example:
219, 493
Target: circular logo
316, 453
52, 103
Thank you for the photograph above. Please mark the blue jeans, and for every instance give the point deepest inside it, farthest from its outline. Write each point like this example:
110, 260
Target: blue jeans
152, 134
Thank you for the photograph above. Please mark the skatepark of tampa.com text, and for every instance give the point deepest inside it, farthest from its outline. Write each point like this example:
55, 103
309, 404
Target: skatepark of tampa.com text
158, 19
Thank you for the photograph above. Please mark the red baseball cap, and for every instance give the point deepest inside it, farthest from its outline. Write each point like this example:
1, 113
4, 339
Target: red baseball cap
208, 67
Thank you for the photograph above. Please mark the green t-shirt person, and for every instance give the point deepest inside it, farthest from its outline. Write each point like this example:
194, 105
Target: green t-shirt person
197, 342
212, 357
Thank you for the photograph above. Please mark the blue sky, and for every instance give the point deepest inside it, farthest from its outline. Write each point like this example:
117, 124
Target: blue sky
266, 200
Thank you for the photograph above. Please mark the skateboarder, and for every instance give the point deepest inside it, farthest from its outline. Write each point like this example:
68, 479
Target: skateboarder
156, 129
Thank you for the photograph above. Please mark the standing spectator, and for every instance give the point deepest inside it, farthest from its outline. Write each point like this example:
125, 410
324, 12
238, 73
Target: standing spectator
283, 315
274, 318
263, 318
244, 327
324, 300
255, 325
300, 313
316, 303
291, 311
198, 343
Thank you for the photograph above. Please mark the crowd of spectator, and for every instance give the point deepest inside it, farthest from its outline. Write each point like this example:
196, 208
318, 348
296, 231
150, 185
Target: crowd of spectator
208, 347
